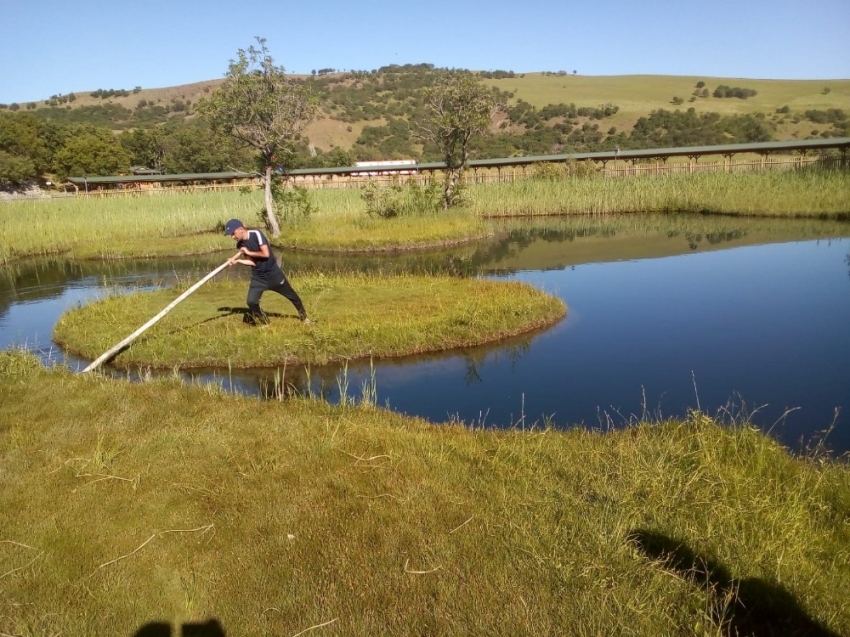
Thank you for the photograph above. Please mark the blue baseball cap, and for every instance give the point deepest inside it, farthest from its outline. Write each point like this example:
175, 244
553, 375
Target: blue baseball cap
231, 226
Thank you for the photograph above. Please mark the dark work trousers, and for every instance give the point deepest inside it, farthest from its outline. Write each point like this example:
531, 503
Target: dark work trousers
255, 291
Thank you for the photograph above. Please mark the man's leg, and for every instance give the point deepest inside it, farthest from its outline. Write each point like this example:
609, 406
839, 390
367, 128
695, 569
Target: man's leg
255, 315
285, 289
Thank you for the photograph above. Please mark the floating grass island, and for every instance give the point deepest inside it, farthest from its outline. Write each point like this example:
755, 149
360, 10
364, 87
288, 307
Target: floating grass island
356, 316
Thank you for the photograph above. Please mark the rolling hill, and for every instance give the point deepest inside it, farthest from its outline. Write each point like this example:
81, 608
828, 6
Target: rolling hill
635, 96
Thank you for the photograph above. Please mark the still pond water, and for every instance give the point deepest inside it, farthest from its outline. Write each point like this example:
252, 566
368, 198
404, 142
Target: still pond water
666, 314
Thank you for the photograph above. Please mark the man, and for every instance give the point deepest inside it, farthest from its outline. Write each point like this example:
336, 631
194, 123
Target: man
254, 251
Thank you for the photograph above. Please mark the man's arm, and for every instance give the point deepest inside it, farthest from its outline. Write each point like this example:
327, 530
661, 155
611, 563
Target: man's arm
261, 253
235, 259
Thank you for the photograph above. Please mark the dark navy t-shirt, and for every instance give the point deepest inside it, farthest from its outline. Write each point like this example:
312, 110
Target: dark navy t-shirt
266, 270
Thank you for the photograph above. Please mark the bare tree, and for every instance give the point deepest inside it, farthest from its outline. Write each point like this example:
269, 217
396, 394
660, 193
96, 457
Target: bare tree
258, 105
457, 108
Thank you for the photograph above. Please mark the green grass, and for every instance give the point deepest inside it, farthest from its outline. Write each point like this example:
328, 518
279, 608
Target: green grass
791, 194
357, 316
355, 231
181, 224
101, 228
639, 95
123, 504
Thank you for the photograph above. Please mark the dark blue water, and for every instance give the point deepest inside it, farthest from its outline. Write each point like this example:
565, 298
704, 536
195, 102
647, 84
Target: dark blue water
763, 328
725, 327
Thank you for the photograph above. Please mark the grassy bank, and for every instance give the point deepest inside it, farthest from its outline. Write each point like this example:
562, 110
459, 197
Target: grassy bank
123, 504
180, 224
356, 316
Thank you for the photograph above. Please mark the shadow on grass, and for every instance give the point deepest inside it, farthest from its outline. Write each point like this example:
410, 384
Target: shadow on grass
756, 608
210, 628
228, 311
240, 311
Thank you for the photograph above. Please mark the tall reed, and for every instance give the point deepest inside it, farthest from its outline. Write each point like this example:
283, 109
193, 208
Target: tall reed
174, 224
789, 193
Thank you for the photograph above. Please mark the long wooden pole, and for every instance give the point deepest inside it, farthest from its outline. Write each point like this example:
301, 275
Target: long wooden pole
117, 348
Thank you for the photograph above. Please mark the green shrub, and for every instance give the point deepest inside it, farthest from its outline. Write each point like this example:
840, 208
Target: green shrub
401, 199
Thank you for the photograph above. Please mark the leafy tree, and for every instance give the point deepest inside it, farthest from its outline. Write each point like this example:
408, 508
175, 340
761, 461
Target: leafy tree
15, 171
88, 150
457, 107
263, 109
194, 148
733, 91
25, 143
332, 159
145, 147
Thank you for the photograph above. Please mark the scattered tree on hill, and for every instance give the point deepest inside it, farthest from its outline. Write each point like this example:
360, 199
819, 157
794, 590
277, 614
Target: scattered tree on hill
730, 91
457, 107
260, 107
107, 93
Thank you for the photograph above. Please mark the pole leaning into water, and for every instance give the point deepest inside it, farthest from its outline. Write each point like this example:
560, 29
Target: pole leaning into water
117, 348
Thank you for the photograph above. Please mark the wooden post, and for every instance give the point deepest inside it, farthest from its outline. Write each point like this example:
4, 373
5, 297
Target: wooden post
117, 348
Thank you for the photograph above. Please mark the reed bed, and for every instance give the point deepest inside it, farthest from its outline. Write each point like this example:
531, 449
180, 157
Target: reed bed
816, 193
180, 224
106, 228
123, 504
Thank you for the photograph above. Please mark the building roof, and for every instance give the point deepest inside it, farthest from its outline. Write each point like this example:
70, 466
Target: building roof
123, 179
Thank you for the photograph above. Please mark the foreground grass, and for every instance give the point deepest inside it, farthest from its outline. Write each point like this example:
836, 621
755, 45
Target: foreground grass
355, 316
123, 504
182, 224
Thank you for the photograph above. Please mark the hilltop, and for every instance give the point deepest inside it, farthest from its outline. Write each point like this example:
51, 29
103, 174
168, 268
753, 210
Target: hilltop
635, 96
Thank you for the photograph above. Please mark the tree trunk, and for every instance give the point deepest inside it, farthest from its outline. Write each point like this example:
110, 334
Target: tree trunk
448, 190
273, 224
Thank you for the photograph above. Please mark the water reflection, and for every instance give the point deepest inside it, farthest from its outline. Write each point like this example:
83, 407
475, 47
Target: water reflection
664, 316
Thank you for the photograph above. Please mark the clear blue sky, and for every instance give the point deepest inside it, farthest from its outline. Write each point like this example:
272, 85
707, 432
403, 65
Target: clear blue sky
54, 47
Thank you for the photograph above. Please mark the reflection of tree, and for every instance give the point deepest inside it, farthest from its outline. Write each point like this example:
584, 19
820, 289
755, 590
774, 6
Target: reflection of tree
472, 375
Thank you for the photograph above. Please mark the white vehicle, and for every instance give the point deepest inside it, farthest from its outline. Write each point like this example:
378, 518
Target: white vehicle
374, 168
